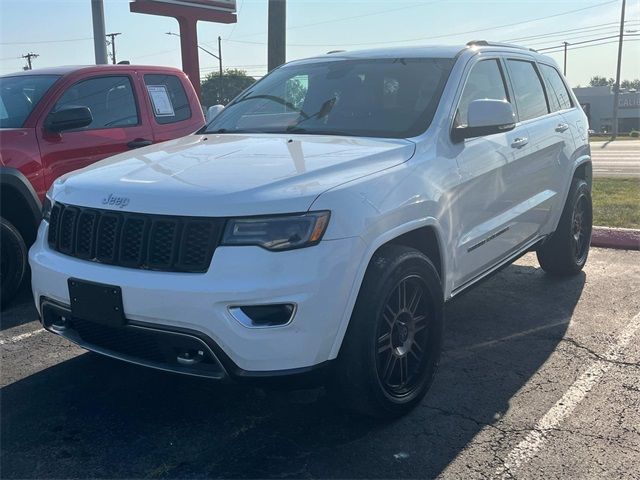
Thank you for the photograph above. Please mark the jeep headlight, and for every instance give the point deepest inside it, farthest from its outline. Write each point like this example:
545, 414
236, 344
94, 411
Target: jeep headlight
280, 232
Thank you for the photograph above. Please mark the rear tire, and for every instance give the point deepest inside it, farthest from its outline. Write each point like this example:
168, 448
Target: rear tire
13, 261
566, 251
392, 347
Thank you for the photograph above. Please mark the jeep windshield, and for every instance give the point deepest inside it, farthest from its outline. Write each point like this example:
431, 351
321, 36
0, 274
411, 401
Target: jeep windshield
393, 98
19, 95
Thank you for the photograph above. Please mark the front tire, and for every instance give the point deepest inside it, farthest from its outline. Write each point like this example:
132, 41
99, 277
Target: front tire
13, 261
566, 251
392, 347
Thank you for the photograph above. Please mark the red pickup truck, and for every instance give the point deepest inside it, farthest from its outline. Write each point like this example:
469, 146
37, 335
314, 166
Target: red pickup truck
56, 120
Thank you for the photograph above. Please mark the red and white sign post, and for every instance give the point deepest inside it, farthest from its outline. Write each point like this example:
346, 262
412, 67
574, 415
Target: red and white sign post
188, 13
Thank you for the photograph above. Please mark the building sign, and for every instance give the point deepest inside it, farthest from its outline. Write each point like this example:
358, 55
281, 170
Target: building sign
219, 5
629, 100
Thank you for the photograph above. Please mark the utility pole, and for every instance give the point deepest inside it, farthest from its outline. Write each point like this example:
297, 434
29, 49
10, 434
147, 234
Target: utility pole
113, 45
616, 93
99, 43
277, 43
28, 57
566, 44
220, 63
220, 55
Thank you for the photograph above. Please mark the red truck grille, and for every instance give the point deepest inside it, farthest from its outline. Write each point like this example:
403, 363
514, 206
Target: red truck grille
134, 240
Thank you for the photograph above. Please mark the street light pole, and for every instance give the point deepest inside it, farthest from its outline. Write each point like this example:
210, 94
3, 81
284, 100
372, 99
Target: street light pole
219, 57
565, 58
204, 49
616, 93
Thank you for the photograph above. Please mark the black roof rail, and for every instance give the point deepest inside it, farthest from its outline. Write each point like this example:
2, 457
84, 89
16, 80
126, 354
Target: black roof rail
335, 51
485, 43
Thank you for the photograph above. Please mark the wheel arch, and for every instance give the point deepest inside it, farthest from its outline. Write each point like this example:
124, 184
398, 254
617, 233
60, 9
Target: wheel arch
584, 169
19, 203
412, 235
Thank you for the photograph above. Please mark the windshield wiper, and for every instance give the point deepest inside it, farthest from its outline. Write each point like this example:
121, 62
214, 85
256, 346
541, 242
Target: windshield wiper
304, 131
325, 109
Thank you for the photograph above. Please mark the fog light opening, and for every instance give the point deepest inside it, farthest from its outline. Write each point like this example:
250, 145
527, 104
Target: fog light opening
60, 323
257, 316
190, 356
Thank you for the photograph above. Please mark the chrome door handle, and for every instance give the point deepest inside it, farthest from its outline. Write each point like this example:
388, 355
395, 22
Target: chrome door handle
562, 127
519, 142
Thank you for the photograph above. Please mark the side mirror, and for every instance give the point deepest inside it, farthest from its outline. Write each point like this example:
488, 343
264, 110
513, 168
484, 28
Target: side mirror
68, 118
213, 112
486, 117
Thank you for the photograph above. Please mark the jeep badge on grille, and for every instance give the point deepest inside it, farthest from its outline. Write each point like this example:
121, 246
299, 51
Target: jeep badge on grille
115, 201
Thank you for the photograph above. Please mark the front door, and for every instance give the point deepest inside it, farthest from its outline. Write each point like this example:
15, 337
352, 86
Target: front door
117, 125
483, 201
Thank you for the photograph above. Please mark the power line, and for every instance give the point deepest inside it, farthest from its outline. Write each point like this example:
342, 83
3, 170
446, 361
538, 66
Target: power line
569, 38
342, 19
610, 42
586, 28
47, 41
233, 29
589, 41
484, 29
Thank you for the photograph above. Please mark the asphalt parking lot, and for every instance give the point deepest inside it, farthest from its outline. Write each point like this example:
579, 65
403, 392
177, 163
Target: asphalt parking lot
540, 378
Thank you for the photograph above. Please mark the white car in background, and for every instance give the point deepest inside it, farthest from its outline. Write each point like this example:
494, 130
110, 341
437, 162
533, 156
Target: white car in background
322, 219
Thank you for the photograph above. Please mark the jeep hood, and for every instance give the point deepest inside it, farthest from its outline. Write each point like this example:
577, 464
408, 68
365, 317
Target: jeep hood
229, 175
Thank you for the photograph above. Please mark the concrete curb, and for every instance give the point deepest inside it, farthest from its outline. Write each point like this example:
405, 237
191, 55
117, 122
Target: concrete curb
619, 238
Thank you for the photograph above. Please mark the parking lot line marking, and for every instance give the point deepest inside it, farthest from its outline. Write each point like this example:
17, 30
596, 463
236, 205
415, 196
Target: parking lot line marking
527, 448
20, 337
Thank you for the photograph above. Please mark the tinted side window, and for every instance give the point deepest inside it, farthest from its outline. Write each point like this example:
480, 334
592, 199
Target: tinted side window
527, 89
110, 100
559, 97
485, 81
168, 98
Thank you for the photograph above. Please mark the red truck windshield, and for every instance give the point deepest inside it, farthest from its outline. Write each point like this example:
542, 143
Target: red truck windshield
19, 95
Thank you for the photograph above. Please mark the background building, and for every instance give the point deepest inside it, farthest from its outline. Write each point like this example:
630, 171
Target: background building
597, 103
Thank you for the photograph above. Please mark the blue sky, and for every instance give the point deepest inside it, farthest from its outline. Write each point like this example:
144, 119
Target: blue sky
60, 31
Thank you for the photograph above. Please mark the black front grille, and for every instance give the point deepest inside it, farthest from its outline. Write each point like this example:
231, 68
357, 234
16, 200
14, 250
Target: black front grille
134, 240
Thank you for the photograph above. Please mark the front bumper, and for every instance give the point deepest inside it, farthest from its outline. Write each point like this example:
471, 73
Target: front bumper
319, 280
152, 347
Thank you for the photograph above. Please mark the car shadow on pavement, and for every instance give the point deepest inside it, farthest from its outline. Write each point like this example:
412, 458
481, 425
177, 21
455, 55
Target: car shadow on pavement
96, 417
19, 311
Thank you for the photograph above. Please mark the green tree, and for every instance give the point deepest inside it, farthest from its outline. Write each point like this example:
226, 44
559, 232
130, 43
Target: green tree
631, 84
216, 90
599, 81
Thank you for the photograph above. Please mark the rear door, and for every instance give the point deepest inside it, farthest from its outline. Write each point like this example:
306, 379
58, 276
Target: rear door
536, 176
175, 111
569, 127
117, 124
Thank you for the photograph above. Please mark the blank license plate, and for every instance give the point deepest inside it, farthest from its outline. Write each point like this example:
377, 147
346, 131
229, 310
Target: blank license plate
96, 302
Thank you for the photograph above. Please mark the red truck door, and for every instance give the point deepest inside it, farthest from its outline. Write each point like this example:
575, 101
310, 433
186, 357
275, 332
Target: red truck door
120, 122
174, 107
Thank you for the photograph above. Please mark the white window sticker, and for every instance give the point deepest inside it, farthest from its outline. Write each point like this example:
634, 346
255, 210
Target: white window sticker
3, 111
162, 106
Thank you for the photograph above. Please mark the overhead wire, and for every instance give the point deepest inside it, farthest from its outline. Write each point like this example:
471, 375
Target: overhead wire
484, 29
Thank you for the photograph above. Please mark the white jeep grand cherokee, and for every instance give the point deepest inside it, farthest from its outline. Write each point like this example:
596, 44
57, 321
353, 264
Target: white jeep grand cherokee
322, 219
